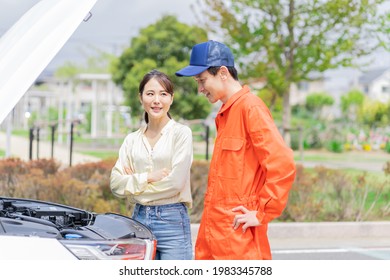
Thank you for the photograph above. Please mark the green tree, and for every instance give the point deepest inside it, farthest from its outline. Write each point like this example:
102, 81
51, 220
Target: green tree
352, 98
375, 113
164, 45
316, 101
351, 103
287, 40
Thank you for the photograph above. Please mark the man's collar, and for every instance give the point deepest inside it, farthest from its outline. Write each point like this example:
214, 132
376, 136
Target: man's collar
244, 90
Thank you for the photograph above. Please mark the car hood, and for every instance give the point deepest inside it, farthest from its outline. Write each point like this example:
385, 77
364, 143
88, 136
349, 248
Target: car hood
32, 42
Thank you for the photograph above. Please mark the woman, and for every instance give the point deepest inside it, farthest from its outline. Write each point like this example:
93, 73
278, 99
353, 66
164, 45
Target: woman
153, 170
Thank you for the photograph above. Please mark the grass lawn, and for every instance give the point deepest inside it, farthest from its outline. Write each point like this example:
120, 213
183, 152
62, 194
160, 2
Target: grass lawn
352, 156
101, 154
23, 133
309, 156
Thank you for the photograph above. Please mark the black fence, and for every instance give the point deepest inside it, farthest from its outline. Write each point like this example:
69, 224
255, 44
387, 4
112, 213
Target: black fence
34, 134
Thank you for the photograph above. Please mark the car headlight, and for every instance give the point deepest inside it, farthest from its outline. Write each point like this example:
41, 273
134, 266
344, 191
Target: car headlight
126, 249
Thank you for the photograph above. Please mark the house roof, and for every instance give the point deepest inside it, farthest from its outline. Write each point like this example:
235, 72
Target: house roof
369, 76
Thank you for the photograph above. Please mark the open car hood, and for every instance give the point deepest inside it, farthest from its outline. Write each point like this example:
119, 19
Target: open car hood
32, 42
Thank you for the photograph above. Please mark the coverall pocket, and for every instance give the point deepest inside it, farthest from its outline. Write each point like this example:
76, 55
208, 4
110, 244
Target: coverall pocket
232, 154
229, 243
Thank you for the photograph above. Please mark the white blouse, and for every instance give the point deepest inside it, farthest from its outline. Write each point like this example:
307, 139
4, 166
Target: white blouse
173, 151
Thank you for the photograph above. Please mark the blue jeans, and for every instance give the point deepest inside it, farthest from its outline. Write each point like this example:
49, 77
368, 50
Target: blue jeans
170, 224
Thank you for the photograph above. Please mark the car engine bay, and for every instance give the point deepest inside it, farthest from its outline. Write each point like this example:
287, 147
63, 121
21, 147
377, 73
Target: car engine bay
45, 219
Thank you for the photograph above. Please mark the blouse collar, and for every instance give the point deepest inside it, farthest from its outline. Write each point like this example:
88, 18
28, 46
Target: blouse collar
169, 124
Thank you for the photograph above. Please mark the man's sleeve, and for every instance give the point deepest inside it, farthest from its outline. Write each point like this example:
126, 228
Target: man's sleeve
276, 160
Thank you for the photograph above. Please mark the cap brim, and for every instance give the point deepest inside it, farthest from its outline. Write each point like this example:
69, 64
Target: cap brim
191, 70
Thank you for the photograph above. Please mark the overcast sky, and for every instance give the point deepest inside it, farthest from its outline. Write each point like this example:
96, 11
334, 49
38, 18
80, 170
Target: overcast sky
111, 26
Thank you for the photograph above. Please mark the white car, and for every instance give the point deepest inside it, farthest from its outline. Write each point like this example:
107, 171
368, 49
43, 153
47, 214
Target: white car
31, 229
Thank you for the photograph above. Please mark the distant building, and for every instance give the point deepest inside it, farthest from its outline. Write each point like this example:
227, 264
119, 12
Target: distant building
92, 98
299, 91
376, 84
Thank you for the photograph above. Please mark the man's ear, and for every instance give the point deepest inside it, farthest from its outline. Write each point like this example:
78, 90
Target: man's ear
223, 72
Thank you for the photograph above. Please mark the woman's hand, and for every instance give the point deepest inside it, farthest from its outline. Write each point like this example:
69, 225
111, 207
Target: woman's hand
247, 218
127, 170
158, 175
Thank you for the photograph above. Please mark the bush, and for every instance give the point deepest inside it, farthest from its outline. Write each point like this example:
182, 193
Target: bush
324, 194
83, 186
335, 146
313, 138
387, 147
199, 176
319, 194
304, 202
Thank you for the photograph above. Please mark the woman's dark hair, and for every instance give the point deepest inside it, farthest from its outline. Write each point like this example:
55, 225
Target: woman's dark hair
213, 70
164, 81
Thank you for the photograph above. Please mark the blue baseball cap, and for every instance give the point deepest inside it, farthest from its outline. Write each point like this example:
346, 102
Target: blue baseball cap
206, 55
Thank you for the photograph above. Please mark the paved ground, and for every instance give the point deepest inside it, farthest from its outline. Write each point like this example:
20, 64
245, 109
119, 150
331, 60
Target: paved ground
327, 240
330, 240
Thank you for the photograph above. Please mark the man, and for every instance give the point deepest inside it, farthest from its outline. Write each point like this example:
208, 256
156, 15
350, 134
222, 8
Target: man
252, 169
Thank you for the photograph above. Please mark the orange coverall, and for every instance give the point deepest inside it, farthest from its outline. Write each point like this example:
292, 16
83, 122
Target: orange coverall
251, 166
